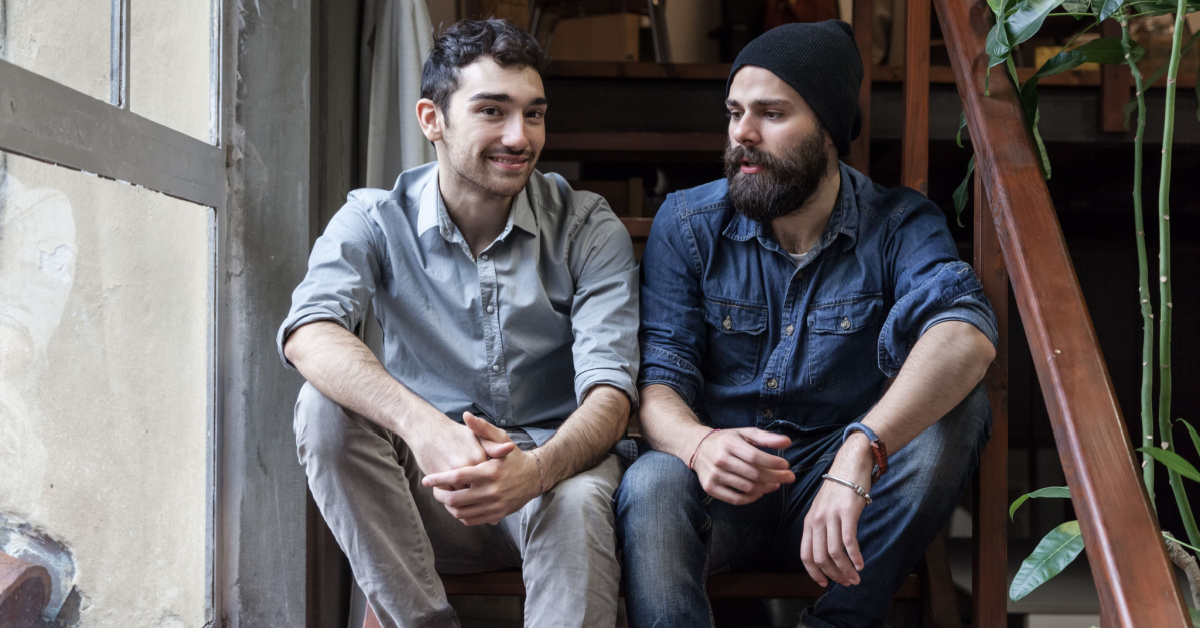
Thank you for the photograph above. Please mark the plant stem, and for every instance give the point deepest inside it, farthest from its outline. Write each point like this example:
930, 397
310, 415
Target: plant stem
1187, 563
1139, 140
1164, 277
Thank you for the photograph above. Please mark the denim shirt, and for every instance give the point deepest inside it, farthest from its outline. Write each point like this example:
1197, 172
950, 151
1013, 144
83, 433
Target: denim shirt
748, 337
517, 334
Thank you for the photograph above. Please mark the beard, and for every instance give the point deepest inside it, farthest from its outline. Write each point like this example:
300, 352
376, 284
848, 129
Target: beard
784, 183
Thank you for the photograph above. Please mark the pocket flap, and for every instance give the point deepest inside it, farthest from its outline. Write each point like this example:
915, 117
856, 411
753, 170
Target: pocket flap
735, 319
845, 317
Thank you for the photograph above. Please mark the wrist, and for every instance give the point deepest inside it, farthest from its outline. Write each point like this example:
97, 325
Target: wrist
855, 456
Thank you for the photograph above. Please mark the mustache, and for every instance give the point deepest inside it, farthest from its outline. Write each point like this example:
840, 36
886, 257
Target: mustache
735, 154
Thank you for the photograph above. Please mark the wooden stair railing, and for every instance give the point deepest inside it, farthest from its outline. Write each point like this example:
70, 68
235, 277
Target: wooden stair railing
1129, 563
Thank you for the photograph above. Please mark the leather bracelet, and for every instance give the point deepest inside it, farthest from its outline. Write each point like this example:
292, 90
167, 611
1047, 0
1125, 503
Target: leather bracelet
541, 472
877, 448
697, 450
862, 492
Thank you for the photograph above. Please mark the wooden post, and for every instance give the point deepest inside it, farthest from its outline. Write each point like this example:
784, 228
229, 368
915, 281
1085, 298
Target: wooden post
914, 167
990, 574
860, 149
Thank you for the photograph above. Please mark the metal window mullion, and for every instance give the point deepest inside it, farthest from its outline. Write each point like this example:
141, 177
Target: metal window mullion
119, 71
48, 121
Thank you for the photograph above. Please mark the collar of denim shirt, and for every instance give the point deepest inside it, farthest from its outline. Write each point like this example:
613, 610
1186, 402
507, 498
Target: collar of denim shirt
741, 228
432, 213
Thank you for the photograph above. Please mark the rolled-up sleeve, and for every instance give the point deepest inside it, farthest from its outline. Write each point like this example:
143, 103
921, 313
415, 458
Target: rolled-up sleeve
930, 285
343, 270
672, 334
604, 312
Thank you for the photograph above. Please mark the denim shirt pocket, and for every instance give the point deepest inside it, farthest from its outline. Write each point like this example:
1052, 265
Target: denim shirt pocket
842, 338
735, 337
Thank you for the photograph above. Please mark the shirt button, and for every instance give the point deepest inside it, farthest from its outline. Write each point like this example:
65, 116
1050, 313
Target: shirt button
485, 257
503, 422
490, 309
789, 330
495, 368
845, 323
772, 383
727, 323
768, 414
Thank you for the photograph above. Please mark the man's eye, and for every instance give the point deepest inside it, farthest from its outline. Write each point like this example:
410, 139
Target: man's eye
490, 111
733, 115
772, 115
536, 115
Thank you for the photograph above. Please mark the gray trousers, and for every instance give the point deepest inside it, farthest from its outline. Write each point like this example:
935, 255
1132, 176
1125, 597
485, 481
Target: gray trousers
398, 537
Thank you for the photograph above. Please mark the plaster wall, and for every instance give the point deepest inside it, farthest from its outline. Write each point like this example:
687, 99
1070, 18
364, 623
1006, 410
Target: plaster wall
105, 313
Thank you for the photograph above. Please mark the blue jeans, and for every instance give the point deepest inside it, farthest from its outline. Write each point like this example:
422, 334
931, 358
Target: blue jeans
674, 534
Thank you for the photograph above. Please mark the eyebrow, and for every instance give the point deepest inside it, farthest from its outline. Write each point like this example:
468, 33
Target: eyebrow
761, 102
505, 98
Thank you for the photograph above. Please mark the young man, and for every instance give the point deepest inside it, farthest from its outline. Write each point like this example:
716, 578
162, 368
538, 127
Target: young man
812, 349
509, 309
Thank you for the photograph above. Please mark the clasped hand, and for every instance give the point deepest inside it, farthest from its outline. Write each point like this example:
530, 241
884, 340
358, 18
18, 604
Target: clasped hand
486, 491
829, 547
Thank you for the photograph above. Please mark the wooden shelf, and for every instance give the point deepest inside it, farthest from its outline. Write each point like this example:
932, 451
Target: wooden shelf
879, 74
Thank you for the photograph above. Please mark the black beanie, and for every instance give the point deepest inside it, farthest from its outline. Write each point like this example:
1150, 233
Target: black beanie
821, 62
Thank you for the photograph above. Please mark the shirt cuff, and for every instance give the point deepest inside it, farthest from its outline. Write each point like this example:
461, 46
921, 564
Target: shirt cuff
660, 366
297, 320
614, 377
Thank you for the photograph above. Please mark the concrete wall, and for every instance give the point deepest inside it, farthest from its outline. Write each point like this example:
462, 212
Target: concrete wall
105, 315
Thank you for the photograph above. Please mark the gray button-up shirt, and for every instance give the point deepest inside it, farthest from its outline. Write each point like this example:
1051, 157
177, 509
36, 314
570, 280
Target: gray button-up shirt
519, 333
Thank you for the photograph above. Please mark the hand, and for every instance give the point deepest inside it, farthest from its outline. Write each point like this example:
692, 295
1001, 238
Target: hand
829, 547
733, 469
443, 445
491, 490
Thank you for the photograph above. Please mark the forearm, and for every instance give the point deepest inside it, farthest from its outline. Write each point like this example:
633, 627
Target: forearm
668, 424
586, 436
339, 365
947, 362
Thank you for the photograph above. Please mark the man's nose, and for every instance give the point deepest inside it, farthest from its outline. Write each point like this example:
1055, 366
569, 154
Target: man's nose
515, 137
744, 131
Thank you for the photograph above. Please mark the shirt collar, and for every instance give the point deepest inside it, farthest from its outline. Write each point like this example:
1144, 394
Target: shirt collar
432, 213
741, 228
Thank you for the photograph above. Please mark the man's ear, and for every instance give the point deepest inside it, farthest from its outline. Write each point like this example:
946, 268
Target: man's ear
431, 123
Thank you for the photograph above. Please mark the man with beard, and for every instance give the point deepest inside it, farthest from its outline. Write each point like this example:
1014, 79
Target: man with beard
509, 309
812, 350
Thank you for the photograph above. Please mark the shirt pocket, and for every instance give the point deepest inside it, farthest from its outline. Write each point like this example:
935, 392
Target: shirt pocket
735, 337
842, 340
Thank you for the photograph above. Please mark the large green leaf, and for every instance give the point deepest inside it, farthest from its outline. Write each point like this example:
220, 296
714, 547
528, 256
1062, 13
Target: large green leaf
1102, 50
1195, 615
1060, 492
963, 191
1172, 461
1048, 559
997, 46
1191, 432
962, 124
1076, 6
1109, 7
1027, 18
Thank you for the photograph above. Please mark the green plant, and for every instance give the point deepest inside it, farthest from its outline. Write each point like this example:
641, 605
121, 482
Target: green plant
1016, 21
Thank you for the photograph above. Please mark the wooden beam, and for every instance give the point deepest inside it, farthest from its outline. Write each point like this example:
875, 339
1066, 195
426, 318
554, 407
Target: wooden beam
1115, 87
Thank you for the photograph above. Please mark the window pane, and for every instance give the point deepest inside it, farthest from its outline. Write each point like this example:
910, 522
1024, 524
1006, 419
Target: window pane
68, 41
105, 314
169, 65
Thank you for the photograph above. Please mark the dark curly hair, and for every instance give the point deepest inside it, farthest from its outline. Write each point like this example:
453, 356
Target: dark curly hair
464, 42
